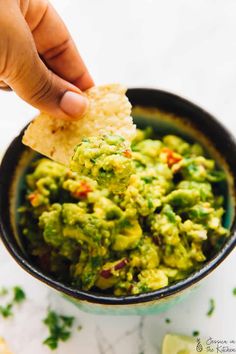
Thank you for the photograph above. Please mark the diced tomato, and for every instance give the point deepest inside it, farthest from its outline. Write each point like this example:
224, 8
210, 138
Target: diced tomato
171, 156
33, 199
127, 153
83, 190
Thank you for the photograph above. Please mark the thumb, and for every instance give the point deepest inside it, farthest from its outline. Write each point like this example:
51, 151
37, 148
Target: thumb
29, 77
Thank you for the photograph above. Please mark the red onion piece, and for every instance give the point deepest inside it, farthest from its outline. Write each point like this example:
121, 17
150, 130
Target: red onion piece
106, 273
121, 264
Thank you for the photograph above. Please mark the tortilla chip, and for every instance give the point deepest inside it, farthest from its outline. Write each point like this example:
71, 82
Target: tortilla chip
109, 112
3, 347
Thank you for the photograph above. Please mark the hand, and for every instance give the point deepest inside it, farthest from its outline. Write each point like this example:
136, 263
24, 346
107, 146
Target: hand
38, 59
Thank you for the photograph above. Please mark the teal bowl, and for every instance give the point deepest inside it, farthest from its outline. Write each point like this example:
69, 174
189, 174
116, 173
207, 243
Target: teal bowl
166, 113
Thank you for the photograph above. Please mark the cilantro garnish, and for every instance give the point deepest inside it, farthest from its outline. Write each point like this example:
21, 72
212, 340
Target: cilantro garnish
18, 295
196, 333
6, 311
59, 328
211, 308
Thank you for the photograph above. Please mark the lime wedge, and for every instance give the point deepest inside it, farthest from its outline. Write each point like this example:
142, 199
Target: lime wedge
180, 344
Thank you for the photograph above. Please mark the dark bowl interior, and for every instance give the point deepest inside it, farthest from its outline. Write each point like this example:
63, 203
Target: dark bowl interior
185, 119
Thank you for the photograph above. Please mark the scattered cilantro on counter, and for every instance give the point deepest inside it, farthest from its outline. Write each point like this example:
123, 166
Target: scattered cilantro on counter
59, 328
6, 311
168, 320
211, 308
18, 295
195, 333
234, 291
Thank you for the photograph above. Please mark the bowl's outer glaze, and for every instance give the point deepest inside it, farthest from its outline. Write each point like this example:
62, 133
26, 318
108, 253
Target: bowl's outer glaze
194, 120
147, 308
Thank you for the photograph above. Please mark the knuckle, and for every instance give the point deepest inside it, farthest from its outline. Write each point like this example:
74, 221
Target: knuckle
58, 50
43, 89
4, 57
3, 67
24, 6
4, 86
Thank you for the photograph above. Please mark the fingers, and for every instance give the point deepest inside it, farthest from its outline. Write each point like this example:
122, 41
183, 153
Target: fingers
4, 87
23, 71
55, 44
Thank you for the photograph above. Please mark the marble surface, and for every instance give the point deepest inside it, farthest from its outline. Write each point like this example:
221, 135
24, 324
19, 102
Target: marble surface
187, 47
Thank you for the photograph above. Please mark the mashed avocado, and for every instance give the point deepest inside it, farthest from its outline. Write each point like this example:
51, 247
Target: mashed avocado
122, 221
106, 159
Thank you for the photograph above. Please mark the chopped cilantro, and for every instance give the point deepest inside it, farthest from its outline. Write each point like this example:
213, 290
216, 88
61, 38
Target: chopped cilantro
147, 179
211, 308
68, 321
59, 328
168, 320
144, 288
17, 297
51, 342
234, 291
196, 333
149, 203
6, 311
169, 214
123, 223
19, 294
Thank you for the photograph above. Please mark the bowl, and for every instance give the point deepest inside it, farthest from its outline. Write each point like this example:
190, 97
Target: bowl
166, 113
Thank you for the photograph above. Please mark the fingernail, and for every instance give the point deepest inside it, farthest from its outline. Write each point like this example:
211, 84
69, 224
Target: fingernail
73, 104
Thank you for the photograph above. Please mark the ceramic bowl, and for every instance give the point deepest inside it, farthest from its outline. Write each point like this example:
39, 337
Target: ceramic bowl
166, 113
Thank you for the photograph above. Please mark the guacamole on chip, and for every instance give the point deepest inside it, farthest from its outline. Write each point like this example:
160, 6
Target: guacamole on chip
124, 220
107, 159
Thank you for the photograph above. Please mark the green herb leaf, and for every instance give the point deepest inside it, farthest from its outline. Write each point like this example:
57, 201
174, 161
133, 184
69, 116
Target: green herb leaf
147, 179
19, 294
149, 203
68, 321
64, 336
17, 297
51, 342
196, 333
234, 291
51, 320
58, 326
211, 308
168, 320
6, 311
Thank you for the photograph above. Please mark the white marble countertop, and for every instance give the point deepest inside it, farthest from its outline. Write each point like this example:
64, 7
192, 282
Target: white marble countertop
183, 46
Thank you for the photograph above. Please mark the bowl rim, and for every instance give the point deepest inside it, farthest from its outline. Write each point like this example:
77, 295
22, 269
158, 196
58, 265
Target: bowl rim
6, 235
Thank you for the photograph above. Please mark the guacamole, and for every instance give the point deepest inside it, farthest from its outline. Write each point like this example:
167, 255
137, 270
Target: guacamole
106, 159
124, 222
